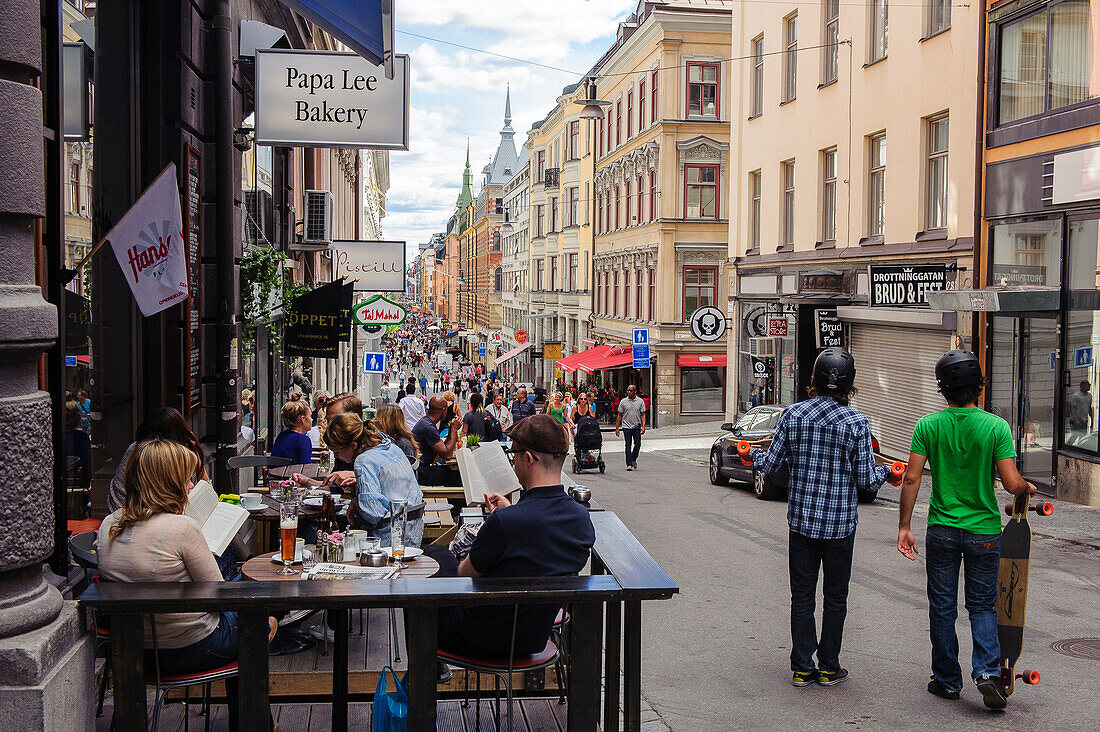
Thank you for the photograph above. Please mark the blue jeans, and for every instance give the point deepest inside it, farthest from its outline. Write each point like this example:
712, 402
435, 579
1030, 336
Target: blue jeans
980, 555
216, 649
632, 435
834, 558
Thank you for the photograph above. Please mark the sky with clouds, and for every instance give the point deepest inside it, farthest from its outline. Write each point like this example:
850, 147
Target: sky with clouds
458, 94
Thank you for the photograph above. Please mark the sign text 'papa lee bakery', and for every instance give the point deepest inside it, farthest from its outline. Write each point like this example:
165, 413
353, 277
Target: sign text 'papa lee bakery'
330, 99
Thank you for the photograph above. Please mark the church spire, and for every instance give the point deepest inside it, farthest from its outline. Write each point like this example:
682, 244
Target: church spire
467, 193
508, 108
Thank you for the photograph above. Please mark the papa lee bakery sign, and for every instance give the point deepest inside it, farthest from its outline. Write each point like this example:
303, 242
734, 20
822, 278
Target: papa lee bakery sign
329, 99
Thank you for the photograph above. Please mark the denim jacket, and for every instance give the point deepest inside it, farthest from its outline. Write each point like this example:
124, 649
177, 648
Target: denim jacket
383, 474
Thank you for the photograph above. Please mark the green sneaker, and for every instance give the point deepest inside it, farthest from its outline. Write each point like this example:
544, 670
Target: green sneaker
832, 678
804, 678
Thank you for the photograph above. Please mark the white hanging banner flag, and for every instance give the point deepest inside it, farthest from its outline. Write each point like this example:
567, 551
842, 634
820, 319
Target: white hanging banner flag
150, 248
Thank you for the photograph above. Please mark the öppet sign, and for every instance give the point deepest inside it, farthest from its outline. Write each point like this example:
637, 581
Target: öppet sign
379, 311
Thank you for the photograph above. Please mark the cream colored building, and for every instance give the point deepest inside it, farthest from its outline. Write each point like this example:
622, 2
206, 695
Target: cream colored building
560, 230
852, 146
663, 159
515, 263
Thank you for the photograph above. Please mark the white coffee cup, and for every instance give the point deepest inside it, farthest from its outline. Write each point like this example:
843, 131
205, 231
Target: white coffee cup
251, 500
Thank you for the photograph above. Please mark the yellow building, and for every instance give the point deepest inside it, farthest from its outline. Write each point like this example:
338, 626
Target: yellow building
852, 192
662, 162
560, 230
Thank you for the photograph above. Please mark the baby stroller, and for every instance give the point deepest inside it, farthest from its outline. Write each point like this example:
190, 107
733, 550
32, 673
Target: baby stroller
588, 445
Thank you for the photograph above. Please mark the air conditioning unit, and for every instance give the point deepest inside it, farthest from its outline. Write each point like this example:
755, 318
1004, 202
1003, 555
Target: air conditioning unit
257, 218
764, 347
317, 230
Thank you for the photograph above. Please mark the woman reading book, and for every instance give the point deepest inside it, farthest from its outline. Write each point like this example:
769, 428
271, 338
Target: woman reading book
150, 539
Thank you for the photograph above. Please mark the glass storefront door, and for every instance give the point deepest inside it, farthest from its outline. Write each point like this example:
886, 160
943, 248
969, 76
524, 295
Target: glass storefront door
1022, 386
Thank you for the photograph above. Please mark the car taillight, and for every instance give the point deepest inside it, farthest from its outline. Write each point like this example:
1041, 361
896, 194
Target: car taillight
874, 443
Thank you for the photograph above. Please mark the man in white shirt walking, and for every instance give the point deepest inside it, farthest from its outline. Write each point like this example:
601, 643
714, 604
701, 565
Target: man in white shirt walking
413, 406
631, 420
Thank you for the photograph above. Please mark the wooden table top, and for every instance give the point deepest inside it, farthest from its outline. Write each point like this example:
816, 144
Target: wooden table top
271, 510
261, 567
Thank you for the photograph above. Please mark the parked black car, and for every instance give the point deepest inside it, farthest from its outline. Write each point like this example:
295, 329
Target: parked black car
757, 427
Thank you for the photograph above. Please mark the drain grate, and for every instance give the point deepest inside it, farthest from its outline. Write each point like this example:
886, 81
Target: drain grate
1088, 648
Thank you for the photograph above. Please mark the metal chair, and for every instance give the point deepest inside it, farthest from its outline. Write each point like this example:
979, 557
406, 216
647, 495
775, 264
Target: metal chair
502, 669
256, 461
165, 683
82, 547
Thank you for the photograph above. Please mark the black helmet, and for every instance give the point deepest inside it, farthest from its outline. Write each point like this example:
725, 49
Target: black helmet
834, 371
956, 369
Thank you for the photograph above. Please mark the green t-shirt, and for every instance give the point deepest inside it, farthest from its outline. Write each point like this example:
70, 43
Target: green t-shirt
962, 446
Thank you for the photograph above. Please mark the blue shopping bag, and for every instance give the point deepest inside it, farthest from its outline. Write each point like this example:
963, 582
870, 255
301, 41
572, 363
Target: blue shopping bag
390, 712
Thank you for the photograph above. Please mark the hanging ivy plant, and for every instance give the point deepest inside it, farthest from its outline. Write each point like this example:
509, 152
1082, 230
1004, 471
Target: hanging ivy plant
261, 276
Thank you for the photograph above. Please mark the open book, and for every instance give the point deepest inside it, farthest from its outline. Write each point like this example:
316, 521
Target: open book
219, 521
485, 470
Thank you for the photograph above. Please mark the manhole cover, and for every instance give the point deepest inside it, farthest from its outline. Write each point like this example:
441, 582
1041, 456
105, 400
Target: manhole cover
1078, 648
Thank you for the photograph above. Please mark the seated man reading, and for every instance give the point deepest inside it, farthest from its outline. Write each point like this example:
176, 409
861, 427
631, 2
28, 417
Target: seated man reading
545, 534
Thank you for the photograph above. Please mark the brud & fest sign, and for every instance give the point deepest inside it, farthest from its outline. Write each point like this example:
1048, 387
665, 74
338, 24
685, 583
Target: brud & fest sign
894, 286
830, 330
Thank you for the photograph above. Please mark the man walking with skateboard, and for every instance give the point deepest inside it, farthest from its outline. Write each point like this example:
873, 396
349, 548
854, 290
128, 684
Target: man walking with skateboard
962, 445
827, 445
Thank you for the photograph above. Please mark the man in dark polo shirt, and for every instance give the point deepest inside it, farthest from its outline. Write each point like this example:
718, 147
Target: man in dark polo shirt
545, 534
433, 448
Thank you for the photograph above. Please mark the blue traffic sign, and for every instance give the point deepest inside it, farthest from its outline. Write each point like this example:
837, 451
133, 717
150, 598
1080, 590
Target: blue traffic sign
641, 356
481, 350
641, 336
374, 362
70, 361
1052, 360
1082, 357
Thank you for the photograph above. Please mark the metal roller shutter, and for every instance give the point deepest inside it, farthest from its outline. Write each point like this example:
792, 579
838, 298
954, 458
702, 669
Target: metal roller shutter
895, 376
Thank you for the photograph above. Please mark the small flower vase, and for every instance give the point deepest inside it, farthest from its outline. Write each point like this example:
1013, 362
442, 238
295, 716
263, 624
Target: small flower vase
333, 552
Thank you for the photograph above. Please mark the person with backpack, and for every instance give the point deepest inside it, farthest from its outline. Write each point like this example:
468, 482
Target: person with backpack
473, 422
827, 445
963, 444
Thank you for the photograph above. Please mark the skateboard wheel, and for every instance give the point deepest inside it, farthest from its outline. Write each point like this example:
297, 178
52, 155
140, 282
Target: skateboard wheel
1029, 677
743, 447
1045, 509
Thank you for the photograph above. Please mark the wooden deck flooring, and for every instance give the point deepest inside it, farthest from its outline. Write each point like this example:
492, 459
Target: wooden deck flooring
531, 715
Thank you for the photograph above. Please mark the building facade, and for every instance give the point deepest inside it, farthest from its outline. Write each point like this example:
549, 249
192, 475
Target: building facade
840, 224
560, 225
1036, 304
515, 261
661, 214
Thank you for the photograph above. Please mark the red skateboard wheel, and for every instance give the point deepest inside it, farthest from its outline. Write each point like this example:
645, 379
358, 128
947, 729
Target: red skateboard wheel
1029, 677
1045, 509
897, 472
743, 450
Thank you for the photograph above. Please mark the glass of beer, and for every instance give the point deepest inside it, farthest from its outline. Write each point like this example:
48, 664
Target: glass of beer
398, 524
288, 534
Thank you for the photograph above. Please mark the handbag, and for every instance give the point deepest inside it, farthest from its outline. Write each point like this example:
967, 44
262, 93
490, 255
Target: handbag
390, 711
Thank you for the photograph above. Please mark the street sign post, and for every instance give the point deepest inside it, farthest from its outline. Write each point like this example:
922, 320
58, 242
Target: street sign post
481, 349
374, 362
641, 348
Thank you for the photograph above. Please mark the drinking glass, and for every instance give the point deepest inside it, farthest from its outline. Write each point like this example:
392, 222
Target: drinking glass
398, 524
324, 465
309, 560
370, 544
288, 534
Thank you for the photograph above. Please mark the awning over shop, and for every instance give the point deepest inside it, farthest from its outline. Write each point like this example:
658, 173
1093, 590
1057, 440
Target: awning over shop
512, 354
701, 359
998, 299
569, 364
358, 23
615, 357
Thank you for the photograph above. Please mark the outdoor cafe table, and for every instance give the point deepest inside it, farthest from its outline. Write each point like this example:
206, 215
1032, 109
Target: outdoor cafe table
313, 470
267, 519
261, 568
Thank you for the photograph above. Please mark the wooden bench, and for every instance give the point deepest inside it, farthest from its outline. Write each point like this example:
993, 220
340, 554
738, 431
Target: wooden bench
619, 553
126, 604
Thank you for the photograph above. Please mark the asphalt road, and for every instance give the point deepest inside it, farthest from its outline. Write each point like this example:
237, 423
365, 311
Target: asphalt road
716, 657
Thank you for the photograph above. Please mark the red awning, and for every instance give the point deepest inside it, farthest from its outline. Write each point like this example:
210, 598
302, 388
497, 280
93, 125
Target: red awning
616, 357
569, 364
512, 354
701, 359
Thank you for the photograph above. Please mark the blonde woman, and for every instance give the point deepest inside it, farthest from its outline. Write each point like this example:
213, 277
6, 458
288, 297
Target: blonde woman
391, 422
150, 539
555, 409
293, 443
382, 475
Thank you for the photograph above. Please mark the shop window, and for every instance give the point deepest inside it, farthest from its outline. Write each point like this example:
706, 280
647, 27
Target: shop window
701, 191
700, 288
1027, 253
702, 390
1082, 409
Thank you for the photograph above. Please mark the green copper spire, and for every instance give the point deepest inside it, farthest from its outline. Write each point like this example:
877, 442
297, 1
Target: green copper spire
467, 193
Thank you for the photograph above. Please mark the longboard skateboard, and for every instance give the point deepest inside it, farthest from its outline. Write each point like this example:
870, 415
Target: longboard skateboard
1012, 588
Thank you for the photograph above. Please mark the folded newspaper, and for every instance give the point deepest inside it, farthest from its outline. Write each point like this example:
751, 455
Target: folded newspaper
325, 571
